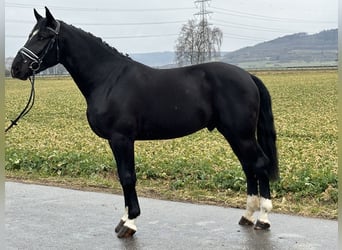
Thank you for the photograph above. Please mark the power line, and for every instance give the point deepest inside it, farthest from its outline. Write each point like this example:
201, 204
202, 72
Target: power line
203, 12
243, 38
138, 36
129, 24
266, 18
104, 24
246, 38
20, 5
111, 37
248, 27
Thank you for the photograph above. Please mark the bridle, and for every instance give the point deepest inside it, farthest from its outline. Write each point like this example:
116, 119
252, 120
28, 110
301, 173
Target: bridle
37, 60
35, 66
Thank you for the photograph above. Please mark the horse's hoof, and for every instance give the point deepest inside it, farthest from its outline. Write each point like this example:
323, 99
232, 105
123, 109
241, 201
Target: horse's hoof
119, 226
126, 229
245, 222
126, 232
261, 225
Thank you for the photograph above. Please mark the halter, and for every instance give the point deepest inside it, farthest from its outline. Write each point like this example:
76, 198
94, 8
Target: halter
35, 66
37, 60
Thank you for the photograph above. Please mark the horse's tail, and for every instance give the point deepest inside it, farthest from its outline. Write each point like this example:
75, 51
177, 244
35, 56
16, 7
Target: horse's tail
266, 134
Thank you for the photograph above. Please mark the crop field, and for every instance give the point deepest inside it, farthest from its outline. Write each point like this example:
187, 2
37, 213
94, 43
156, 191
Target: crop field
53, 144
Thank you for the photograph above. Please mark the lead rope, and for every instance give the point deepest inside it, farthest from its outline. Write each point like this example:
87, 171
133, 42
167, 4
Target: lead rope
28, 106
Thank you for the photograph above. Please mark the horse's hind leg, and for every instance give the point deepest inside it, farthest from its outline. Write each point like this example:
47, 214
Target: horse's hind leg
265, 203
256, 174
254, 164
261, 174
252, 201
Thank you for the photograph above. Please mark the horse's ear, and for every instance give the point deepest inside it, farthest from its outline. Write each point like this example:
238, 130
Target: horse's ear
36, 14
50, 19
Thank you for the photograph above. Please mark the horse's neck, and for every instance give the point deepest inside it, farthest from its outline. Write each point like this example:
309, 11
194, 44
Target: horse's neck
87, 60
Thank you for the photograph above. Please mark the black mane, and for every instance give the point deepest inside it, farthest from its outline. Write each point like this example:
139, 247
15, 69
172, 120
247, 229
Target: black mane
99, 40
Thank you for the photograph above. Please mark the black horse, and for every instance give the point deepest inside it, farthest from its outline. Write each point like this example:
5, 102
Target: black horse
128, 101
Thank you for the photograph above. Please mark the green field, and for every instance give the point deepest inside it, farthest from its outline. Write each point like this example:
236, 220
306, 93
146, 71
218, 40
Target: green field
54, 144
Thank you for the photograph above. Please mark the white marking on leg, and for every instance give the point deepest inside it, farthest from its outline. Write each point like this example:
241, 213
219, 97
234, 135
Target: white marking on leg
265, 208
125, 216
252, 206
130, 224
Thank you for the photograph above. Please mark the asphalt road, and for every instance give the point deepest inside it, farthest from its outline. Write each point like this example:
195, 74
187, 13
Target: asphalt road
42, 217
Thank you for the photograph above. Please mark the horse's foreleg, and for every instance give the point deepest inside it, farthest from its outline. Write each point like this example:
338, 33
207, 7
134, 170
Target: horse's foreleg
124, 218
126, 227
123, 149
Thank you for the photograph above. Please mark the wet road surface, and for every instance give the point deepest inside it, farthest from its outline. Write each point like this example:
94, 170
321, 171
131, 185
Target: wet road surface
42, 217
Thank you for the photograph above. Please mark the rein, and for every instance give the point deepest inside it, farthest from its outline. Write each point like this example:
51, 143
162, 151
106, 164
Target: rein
28, 106
35, 66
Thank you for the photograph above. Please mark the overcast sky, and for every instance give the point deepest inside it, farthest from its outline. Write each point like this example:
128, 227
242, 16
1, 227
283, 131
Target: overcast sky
134, 26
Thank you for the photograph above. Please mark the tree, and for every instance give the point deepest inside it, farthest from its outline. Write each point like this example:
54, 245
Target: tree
198, 43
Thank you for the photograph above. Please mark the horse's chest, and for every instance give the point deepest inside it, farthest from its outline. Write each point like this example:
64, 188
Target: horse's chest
99, 123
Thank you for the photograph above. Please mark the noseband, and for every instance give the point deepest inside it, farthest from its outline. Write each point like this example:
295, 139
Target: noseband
37, 60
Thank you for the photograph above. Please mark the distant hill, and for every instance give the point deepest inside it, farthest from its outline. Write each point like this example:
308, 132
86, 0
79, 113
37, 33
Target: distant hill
293, 50
298, 49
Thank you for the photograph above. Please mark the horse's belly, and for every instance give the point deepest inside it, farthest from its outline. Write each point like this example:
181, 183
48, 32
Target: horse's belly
163, 134
173, 124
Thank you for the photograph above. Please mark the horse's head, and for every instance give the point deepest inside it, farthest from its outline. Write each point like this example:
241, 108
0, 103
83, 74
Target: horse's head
41, 50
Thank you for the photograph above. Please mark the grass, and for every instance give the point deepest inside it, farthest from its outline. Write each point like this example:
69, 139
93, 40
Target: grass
54, 144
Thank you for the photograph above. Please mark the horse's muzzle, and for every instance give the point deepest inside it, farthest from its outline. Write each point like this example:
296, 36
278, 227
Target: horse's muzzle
20, 70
